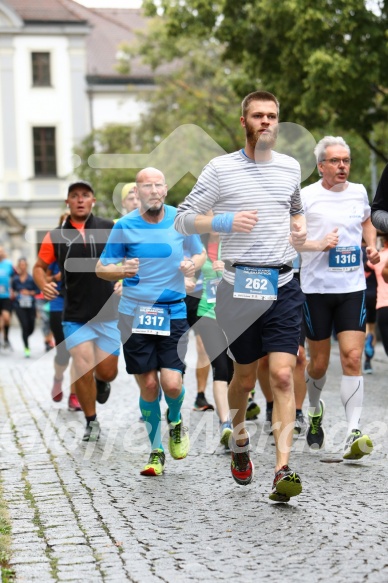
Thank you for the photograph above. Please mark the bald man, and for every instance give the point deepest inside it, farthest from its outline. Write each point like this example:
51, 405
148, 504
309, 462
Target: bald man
146, 252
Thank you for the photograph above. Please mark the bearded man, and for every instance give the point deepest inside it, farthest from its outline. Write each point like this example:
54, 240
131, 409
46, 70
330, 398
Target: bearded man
254, 194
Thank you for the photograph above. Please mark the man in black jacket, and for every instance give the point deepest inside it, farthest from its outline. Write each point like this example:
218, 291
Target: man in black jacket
90, 311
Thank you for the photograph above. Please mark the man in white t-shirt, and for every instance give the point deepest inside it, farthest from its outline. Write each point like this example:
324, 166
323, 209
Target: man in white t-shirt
334, 283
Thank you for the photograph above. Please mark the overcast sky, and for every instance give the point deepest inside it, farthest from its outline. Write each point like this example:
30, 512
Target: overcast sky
111, 3
372, 4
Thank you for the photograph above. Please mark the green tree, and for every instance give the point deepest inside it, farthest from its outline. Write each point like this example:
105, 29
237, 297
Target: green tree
326, 61
107, 182
194, 84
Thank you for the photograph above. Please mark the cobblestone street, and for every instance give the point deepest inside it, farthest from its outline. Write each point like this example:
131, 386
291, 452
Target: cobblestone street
82, 512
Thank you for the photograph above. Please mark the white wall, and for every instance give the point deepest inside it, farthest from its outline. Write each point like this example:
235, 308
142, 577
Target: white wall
43, 106
116, 107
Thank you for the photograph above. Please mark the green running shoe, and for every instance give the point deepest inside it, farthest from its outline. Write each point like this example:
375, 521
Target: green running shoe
357, 445
155, 464
179, 441
286, 484
225, 433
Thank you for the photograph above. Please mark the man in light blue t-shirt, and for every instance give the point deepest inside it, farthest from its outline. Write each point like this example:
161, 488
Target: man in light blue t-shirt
146, 252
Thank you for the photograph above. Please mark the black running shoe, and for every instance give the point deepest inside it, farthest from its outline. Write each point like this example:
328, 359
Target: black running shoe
241, 465
103, 391
286, 484
315, 435
201, 403
92, 431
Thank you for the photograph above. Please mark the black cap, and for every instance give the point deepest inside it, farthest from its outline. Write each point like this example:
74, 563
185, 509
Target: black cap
83, 183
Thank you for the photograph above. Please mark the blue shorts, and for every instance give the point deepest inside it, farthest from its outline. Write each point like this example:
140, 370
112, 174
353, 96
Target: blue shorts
146, 352
255, 328
105, 335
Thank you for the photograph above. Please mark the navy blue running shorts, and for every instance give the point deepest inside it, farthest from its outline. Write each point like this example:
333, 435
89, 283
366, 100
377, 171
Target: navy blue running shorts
343, 312
255, 328
146, 352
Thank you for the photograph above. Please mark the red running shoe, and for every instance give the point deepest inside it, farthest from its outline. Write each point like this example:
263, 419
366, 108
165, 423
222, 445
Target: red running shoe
74, 403
241, 465
56, 391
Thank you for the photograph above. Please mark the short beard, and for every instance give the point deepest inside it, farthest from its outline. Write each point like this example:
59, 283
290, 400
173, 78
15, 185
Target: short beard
154, 212
259, 143
268, 143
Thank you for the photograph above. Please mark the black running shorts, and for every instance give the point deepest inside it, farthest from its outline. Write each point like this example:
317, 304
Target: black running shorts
343, 312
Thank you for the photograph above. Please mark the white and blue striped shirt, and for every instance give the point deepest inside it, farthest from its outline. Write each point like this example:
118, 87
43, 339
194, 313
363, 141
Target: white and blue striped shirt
234, 183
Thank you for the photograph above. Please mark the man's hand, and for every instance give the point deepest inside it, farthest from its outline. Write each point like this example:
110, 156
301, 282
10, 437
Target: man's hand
189, 284
130, 267
218, 265
187, 267
57, 276
50, 291
330, 240
373, 255
118, 288
298, 235
244, 221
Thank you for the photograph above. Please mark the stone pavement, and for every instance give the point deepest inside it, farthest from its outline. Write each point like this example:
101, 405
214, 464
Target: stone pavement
81, 512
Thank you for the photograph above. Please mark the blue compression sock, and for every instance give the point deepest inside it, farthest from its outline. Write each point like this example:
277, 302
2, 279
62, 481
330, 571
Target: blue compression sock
152, 415
174, 407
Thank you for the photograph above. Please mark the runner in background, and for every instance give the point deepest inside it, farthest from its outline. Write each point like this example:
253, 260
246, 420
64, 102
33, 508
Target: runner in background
129, 199
381, 271
370, 303
194, 287
90, 312
7, 271
25, 290
62, 355
214, 339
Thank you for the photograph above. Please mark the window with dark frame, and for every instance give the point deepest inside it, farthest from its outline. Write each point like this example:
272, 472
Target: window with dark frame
41, 70
45, 158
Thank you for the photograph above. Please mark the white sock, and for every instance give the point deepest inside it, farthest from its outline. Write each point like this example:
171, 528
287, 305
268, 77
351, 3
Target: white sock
314, 389
352, 396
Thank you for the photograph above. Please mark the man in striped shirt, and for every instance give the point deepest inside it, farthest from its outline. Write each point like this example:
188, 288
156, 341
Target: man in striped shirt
255, 197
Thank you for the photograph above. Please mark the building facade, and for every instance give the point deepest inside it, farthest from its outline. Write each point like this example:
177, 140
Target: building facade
57, 82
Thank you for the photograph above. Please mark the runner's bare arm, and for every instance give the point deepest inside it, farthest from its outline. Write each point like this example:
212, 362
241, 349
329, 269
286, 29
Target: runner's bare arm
39, 273
329, 241
113, 272
369, 234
